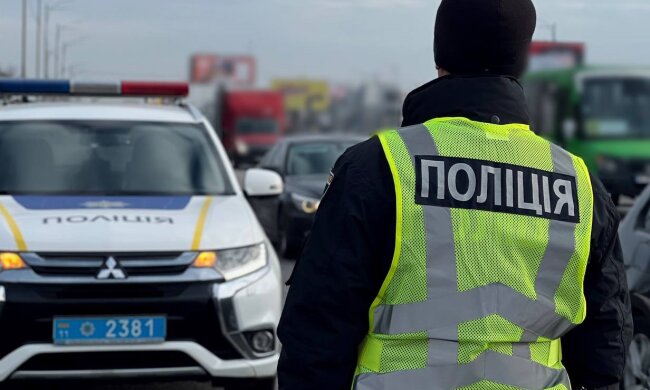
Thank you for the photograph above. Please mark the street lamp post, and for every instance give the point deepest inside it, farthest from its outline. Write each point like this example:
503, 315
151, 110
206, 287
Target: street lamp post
551, 26
46, 41
64, 50
64, 53
57, 46
49, 8
39, 36
23, 62
60, 47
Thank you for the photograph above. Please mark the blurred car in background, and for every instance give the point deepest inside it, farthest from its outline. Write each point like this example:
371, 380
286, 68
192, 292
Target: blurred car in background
634, 233
304, 162
248, 121
252, 122
127, 247
601, 114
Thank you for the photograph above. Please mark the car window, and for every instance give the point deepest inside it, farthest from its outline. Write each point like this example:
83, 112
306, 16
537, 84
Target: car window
274, 158
616, 107
109, 158
265, 162
277, 160
257, 126
315, 158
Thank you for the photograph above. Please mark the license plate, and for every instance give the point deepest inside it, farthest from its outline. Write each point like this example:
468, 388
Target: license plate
109, 330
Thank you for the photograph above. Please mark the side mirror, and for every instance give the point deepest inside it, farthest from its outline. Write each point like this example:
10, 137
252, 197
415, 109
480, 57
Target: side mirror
262, 182
272, 169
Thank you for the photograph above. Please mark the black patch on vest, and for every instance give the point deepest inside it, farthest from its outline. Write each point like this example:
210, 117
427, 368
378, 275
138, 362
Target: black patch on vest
472, 184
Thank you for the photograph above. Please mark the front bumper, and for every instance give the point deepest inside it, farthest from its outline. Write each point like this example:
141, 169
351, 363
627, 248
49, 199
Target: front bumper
208, 323
206, 363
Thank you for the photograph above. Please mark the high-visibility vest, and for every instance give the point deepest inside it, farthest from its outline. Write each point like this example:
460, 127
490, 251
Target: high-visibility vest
492, 241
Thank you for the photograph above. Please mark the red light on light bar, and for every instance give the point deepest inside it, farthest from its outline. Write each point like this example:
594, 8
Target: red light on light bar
146, 88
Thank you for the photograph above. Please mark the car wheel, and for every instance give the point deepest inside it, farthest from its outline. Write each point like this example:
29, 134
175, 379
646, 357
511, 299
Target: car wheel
253, 384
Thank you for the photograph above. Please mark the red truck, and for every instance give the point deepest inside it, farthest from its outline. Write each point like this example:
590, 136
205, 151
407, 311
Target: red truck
252, 121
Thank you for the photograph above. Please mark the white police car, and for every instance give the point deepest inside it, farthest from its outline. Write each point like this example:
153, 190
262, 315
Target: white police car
127, 248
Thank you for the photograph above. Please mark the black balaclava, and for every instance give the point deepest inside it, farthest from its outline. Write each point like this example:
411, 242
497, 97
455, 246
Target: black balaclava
484, 36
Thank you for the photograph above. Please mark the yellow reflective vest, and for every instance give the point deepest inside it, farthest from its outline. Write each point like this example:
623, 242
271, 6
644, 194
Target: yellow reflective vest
492, 241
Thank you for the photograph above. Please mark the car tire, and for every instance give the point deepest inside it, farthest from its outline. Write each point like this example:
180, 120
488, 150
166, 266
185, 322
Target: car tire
253, 384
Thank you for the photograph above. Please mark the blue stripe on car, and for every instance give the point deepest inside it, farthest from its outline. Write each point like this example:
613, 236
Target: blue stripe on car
38, 202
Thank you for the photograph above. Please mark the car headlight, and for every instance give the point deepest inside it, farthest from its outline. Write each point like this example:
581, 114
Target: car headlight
306, 204
234, 263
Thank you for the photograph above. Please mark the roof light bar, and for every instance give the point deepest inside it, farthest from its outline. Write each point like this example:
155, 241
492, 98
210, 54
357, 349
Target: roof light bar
29, 87
144, 88
86, 88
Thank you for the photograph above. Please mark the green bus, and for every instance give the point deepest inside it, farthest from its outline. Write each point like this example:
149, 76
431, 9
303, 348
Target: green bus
600, 114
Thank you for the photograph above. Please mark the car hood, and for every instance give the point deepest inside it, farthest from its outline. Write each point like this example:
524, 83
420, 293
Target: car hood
125, 224
306, 185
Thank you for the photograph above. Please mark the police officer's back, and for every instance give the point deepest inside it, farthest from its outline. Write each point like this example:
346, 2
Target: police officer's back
461, 251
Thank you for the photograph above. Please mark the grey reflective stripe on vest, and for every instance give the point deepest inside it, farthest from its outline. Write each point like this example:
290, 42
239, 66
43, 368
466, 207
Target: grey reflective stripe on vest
491, 366
446, 307
441, 268
440, 315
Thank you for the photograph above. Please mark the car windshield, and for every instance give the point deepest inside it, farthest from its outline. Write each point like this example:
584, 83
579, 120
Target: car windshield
257, 126
316, 158
617, 107
109, 158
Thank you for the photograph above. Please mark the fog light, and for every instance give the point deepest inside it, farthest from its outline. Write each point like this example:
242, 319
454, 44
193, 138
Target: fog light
9, 261
205, 260
263, 341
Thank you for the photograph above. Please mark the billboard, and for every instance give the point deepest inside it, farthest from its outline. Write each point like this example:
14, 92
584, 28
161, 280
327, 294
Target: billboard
556, 55
237, 71
304, 95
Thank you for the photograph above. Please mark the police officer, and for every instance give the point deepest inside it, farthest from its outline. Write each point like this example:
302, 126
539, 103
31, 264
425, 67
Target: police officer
461, 251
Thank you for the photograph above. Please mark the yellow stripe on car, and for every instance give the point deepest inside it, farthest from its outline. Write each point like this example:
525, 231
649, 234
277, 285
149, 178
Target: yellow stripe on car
200, 224
15, 230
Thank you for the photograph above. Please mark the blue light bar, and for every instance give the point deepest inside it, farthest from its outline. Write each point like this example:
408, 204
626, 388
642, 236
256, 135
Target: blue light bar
37, 87
90, 88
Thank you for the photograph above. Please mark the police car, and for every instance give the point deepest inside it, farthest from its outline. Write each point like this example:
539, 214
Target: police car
127, 247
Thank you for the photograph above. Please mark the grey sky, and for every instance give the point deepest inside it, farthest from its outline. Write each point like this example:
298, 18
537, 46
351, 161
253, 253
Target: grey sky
340, 40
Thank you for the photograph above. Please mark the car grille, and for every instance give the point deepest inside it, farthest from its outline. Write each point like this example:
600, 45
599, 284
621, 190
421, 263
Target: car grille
90, 264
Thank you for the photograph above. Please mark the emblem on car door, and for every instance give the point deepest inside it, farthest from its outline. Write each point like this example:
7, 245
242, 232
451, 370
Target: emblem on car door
111, 270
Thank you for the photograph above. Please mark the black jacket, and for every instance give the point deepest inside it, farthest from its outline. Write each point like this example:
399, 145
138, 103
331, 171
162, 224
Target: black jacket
350, 250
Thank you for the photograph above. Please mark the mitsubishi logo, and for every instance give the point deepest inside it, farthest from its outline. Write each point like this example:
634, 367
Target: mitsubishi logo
111, 270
